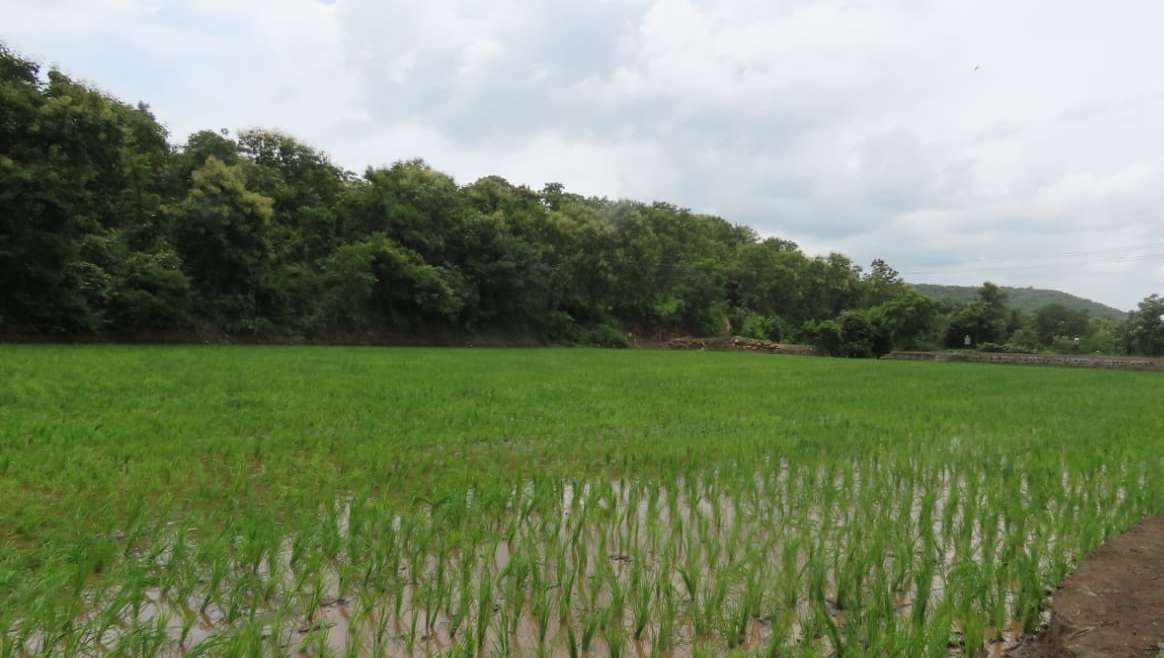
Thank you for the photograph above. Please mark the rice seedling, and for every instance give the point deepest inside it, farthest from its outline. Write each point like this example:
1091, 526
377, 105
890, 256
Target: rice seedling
391, 502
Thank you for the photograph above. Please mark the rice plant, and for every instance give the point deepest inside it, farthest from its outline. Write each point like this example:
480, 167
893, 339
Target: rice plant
396, 502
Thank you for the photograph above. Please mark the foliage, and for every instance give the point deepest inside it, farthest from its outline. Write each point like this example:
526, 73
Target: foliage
604, 335
905, 320
106, 229
1057, 320
856, 335
1106, 336
1146, 327
1026, 339
762, 327
1064, 345
983, 321
824, 335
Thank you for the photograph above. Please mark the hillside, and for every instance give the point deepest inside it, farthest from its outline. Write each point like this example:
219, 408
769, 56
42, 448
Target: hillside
1025, 299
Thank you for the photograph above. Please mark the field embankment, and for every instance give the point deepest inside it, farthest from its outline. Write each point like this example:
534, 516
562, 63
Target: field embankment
1112, 604
1061, 360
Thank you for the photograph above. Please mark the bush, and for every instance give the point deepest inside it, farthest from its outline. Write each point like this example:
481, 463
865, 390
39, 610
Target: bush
761, 327
850, 335
882, 334
711, 320
1023, 340
992, 347
856, 335
559, 326
605, 335
824, 336
1064, 345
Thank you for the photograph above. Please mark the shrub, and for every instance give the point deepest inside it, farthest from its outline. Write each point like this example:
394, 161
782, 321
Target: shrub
605, 335
1064, 345
559, 326
823, 335
850, 335
1023, 340
857, 335
762, 327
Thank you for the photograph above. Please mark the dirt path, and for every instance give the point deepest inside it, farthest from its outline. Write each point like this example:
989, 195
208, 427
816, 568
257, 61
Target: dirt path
1112, 605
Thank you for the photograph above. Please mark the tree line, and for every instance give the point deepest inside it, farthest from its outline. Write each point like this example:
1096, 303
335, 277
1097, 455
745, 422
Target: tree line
107, 229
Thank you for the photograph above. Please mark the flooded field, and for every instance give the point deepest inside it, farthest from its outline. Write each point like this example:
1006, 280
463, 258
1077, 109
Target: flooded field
368, 502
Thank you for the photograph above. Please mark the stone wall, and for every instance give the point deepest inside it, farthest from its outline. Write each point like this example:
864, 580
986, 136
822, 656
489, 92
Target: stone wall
1062, 360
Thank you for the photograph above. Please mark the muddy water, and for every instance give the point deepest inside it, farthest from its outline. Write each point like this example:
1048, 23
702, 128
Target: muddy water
594, 551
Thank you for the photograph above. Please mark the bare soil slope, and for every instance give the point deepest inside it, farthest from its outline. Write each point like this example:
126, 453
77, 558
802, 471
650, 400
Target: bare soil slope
1112, 605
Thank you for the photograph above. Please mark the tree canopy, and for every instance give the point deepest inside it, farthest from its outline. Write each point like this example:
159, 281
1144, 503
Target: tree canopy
109, 229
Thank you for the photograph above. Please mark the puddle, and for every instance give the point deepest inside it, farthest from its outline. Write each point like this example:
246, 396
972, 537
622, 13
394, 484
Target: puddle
630, 568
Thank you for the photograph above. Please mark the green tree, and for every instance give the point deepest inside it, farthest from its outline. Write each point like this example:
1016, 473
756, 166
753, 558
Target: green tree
79, 173
376, 282
857, 335
413, 204
882, 283
904, 321
1057, 320
222, 233
1146, 327
985, 320
1026, 339
764, 278
1105, 336
829, 285
106, 228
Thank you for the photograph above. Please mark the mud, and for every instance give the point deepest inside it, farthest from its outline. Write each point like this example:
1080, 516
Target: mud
1112, 605
629, 533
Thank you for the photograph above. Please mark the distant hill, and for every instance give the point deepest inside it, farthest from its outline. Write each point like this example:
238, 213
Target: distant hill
1026, 299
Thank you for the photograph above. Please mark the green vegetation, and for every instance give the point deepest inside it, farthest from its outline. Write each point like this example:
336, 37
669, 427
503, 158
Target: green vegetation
1027, 300
108, 230
989, 323
239, 501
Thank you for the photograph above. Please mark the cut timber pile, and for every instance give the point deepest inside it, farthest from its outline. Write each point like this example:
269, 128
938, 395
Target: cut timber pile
738, 344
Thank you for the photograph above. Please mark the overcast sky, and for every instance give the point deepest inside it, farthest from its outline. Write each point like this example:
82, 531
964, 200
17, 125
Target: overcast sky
1021, 142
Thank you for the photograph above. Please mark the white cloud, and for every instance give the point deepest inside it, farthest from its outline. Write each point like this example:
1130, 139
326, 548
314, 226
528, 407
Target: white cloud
856, 125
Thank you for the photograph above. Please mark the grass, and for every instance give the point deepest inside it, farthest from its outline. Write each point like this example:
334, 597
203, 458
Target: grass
387, 502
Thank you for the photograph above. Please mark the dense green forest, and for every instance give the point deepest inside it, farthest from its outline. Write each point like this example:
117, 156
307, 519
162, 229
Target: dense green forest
107, 229
1028, 300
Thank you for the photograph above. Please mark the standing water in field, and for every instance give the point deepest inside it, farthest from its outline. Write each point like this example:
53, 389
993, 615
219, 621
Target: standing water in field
429, 503
879, 557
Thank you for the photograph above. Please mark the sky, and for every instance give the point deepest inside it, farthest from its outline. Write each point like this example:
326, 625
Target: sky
961, 141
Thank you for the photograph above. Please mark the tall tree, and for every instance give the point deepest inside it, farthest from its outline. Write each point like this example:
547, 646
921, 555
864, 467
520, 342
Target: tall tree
983, 321
1057, 320
222, 232
1146, 327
